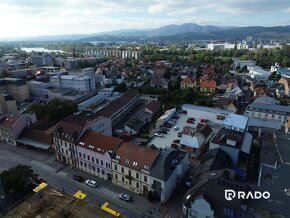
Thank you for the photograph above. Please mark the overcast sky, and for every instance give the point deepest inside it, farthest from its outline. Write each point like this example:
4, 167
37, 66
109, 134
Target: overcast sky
20, 18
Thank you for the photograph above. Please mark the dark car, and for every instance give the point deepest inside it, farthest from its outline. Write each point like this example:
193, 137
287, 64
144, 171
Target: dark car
190, 121
162, 131
179, 134
173, 145
78, 178
176, 140
168, 125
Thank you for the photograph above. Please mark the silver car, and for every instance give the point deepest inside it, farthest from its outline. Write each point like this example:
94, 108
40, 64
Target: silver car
91, 183
125, 197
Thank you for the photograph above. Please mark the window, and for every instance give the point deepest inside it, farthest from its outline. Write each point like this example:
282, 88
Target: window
106, 165
123, 179
109, 166
94, 169
103, 172
137, 184
129, 172
122, 169
85, 165
137, 175
97, 160
116, 168
93, 160
88, 157
84, 156
193, 214
81, 163
102, 163
62, 151
145, 178
116, 176
80, 154
66, 152
98, 170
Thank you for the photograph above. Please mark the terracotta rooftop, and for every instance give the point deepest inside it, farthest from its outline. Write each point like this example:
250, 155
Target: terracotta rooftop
207, 82
136, 157
68, 131
153, 106
227, 134
99, 143
8, 121
188, 80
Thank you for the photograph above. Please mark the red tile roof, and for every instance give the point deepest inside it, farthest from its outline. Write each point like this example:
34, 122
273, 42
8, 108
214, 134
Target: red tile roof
188, 80
8, 121
207, 82
136, 157
153, 106
99, 143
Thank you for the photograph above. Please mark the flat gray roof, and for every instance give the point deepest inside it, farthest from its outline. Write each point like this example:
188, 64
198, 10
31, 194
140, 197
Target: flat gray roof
271, 124
208, 109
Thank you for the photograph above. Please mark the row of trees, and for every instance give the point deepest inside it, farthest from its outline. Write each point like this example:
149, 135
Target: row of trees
264, 57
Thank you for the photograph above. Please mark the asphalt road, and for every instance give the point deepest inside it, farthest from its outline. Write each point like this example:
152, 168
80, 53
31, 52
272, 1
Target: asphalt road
59, 176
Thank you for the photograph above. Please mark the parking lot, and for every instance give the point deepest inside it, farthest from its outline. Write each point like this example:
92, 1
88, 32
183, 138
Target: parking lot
167, 139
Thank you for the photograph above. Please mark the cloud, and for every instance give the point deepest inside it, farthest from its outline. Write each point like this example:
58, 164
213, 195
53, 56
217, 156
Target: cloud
47, 17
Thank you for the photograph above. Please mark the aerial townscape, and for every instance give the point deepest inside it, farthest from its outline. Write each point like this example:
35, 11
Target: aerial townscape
108, 109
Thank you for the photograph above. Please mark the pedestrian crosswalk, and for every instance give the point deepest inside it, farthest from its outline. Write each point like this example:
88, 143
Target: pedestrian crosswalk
106, 191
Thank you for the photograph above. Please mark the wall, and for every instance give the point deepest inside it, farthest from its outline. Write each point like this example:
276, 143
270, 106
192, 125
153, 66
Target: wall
102, 162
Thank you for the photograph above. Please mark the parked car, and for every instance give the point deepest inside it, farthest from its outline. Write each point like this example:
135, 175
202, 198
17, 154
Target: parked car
191, 118
176, 117
176, 128
125, 197
168, 125
78, 178
159, 135
164, 128
182, 111
173, 145
162, 131
179, 134
91, 183
203, 120
176, 140
190, 121
171, 122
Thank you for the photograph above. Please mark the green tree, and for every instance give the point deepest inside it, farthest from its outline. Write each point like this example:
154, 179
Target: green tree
18, 181
122, 87
55, 109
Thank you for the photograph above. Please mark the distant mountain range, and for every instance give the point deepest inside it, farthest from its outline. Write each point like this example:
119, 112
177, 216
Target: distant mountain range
183, 32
